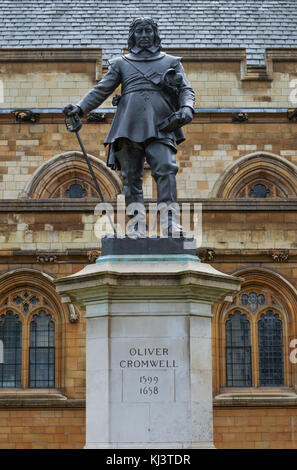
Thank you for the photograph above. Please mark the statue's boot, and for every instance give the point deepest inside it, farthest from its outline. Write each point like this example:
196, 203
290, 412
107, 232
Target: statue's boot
131, 158
161, 159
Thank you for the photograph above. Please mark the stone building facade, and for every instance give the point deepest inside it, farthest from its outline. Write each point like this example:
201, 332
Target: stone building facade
239, 161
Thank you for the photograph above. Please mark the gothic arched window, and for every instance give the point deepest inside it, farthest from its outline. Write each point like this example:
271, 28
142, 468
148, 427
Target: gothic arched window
28, 332
253, 346
42, 351
238, 351
270, 343
11, 337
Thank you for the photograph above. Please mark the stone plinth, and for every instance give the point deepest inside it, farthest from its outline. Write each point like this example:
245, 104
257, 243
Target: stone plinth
149, 369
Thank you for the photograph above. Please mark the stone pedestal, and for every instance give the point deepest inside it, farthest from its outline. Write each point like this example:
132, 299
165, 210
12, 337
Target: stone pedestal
149, 365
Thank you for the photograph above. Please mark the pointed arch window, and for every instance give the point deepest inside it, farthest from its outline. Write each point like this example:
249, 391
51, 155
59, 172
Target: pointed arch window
270, 341
11, 337
238, 351
255, 334
42, 351
28, 331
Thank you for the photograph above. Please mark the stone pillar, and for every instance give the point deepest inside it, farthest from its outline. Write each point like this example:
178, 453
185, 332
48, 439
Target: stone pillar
149, 365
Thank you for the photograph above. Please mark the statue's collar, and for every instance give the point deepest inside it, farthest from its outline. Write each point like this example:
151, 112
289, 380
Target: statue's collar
153, 56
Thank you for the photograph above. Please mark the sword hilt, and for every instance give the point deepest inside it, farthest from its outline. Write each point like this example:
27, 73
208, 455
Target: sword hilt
73, 123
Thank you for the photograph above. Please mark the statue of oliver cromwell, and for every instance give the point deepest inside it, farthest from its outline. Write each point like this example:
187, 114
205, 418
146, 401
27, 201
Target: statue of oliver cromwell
156, 101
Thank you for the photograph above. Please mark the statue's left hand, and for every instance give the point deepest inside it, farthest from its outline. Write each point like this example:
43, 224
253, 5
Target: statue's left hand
185, 114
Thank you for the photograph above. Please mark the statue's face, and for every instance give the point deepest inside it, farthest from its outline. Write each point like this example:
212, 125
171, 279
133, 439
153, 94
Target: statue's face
144, 35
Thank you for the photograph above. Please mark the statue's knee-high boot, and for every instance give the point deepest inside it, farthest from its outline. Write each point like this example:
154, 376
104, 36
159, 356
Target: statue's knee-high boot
131, 161
161, 159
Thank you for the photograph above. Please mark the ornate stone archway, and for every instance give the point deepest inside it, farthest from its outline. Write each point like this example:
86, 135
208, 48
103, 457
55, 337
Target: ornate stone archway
57, 177
275, 176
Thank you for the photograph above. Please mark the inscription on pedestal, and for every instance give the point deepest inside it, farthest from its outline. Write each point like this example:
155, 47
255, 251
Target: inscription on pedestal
148, 373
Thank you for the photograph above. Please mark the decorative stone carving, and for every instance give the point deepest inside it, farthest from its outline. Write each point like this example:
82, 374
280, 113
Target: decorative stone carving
239, 117
253, 301
46, 258
26, 115
292, 114
206, 254
73, 314
96, 117
93, 255
280, 256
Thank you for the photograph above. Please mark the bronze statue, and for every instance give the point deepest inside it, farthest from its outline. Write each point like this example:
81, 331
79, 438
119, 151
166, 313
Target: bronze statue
156, 101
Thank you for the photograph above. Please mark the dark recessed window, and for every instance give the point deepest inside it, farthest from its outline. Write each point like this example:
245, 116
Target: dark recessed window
238, 351
76, 191
42, 351
11, 337
259, 190
270, 339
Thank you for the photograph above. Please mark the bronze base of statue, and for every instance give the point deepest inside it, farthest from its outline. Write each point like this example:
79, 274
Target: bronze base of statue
146, 246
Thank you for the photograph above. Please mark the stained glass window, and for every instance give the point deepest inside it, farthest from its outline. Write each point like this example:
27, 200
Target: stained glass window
270, 339
238, 351
42, 351
11, 337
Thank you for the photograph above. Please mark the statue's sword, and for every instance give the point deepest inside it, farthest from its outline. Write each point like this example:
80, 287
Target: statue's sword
75, 125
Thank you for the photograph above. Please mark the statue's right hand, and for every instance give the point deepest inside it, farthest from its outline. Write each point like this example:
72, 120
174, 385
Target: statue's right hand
70, 110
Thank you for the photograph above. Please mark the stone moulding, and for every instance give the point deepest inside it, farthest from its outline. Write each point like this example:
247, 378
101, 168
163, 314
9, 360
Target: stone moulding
195, 281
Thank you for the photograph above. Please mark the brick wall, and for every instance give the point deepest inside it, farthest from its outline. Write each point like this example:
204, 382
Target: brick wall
254, 428
42, 428
217, 84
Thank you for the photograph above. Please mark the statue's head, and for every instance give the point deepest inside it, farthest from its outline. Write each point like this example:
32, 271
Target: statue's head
137, 26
